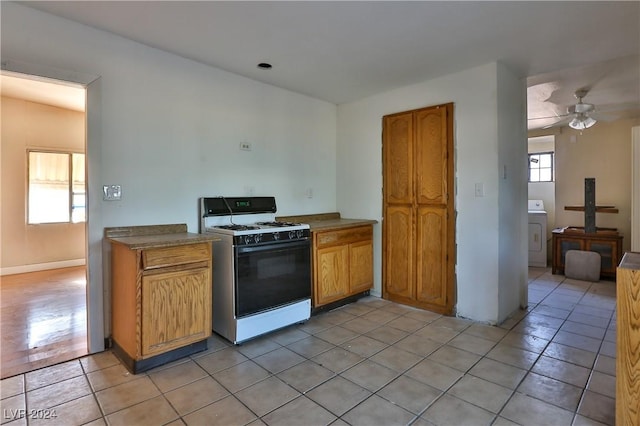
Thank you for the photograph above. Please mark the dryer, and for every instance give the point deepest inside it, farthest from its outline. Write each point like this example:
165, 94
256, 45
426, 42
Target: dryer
537, 234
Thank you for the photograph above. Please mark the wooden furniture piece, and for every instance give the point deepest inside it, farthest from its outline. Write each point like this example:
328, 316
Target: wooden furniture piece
418, 238
342, 258
628, 341
599, 209
342, 263
160, 294
605, 241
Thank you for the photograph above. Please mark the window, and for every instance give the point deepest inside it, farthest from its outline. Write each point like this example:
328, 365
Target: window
56, 187
541, 167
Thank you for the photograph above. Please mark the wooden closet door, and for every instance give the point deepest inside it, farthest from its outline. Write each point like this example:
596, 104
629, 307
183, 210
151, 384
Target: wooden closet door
432, 150
431, 156
398, 224
431, 258
399, 282
418, 212
398, 158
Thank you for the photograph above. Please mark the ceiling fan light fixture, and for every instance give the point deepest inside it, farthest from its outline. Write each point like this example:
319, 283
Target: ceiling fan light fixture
581, 122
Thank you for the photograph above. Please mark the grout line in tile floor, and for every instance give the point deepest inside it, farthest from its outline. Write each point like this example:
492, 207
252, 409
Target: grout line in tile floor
372, 362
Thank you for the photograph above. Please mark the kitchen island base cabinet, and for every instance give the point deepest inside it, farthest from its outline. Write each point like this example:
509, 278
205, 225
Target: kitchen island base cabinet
161, 302
628, 341
342, 264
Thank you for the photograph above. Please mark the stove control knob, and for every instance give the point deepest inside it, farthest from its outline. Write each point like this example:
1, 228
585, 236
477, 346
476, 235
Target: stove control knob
258, 238
299, 233
276, 236
248, 239
292, 235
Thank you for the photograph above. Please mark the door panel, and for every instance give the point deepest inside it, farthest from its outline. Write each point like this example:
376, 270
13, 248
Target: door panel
398, 251
535, 237
431, 156
360, 266
398, 147
431, 255
173, 306
333, 270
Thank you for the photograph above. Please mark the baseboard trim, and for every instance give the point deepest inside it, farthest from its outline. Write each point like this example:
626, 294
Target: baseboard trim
41, 266
141, 365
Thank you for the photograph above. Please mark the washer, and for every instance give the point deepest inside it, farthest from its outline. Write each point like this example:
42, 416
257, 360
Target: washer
537, 234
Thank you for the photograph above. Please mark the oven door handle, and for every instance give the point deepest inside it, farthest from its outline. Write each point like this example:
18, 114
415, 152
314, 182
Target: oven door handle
285, 245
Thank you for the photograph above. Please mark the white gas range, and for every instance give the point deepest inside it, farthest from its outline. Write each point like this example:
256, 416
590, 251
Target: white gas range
261, 267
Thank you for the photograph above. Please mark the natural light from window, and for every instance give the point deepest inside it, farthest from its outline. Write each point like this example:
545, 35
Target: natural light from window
56, 187
541, 167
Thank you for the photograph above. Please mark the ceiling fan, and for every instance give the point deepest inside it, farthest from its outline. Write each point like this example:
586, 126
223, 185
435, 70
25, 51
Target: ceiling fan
579, 116
580, 112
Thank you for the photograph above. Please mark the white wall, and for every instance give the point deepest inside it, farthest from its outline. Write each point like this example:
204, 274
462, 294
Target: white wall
512, 178
171, 127
477, 141
29, 125
602, 152
169, 131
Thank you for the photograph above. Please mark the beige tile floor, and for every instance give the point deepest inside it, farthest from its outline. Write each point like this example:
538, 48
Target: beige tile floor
369, 363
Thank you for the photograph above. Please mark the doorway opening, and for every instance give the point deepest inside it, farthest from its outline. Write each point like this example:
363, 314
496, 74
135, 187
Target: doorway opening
43, 264
542, 201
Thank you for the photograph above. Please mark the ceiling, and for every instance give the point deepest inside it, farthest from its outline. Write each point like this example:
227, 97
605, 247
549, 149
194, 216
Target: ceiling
344, 51
43, 91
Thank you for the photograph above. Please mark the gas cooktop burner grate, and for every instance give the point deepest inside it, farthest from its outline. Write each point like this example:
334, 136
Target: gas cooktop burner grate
238, 227
277, 223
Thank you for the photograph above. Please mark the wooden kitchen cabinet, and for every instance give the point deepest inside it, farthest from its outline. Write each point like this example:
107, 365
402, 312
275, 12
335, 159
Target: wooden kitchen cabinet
342, 263
606, 242
161, 298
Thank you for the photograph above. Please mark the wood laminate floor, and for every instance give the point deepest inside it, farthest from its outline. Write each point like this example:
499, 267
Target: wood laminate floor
43, 319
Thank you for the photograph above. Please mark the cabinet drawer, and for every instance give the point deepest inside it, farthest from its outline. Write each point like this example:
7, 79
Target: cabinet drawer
175, 255
325, 239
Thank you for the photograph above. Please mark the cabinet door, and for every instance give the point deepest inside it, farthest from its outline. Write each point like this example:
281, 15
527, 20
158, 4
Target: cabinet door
431, 255
398, 253
332, 279
608, 255
360, 266
566, 244
431, 155
176, 309
398, 157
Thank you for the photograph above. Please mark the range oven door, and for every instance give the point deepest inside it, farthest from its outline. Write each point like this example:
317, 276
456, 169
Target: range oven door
271, 275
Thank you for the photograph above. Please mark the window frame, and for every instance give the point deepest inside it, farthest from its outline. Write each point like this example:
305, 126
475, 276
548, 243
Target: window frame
552, 167
70, 189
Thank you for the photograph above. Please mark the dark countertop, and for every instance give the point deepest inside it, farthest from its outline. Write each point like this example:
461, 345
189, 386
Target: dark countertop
328, 221
155, 236
630, 260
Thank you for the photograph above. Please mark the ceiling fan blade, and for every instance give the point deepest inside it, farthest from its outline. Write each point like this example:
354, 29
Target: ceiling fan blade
549, 117
558, 123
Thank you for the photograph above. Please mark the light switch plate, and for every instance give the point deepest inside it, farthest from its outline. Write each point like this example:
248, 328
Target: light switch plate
479, 189
111, 192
